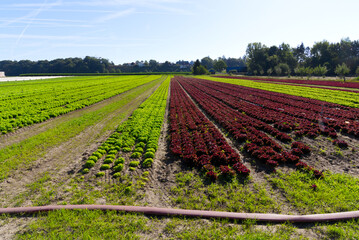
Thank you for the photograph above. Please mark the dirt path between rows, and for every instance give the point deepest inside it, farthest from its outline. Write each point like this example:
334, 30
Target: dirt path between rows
164, 169
63, 162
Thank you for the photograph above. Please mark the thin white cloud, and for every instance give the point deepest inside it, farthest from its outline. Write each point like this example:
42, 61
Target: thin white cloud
35, 14
50, 25
37, 22
45, 37
53, 20
27, 16
163, 5
115, 15
96, 3
60, 10
37, 5
104, 45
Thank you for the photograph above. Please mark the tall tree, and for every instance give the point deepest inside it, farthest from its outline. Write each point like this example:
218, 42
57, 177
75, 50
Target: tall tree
256, 56
342, 70
207, 62
219, 65
199, 69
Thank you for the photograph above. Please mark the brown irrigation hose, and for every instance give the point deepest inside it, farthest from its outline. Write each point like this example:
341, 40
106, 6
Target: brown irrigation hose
193, 213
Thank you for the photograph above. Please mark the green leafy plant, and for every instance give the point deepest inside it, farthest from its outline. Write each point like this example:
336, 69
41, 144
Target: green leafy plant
136, 155
93, 158
134, 163
105, 167
111, 156
108, 161
101, 151
128, 189
152, 150
113, 152
139, 149
119, 161
126, 149
152, 145
118, 168
89, 164
147, 162
117, 175
140, 144
149, 155
143, 139
100, 174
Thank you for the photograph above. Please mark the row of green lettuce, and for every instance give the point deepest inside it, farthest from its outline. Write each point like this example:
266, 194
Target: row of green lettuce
134, 144
28, 102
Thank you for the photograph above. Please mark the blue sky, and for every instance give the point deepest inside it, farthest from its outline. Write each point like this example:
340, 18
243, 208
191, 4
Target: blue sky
125, 31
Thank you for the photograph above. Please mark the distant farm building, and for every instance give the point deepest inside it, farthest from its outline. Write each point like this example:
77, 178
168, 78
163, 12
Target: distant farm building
236, 69
2, 74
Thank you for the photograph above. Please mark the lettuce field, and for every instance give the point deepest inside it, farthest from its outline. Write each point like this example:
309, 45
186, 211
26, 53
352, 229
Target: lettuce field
202, 143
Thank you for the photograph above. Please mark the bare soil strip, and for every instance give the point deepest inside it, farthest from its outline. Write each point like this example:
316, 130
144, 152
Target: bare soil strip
164, 169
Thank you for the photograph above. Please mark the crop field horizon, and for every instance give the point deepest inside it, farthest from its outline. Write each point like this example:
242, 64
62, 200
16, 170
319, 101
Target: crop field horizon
181, 142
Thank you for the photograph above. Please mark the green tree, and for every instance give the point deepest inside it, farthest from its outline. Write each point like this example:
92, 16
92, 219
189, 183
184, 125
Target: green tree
207, 62
301, 71
308, 71
282, 69
285, 69
199, 69
300, 53
256, 57
320, 71
202, 70
342, 70
322, 54
357, 71
278, 70
219, 65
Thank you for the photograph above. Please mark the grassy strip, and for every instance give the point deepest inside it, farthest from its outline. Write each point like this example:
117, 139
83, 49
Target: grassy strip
43, 192
195, 192
333, 193
27, 151
87, 225
349, 99
341, 230
82, 224
111, 225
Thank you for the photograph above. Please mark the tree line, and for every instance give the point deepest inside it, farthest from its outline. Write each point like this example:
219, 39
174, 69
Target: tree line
101, 65
323, 58
89, 65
